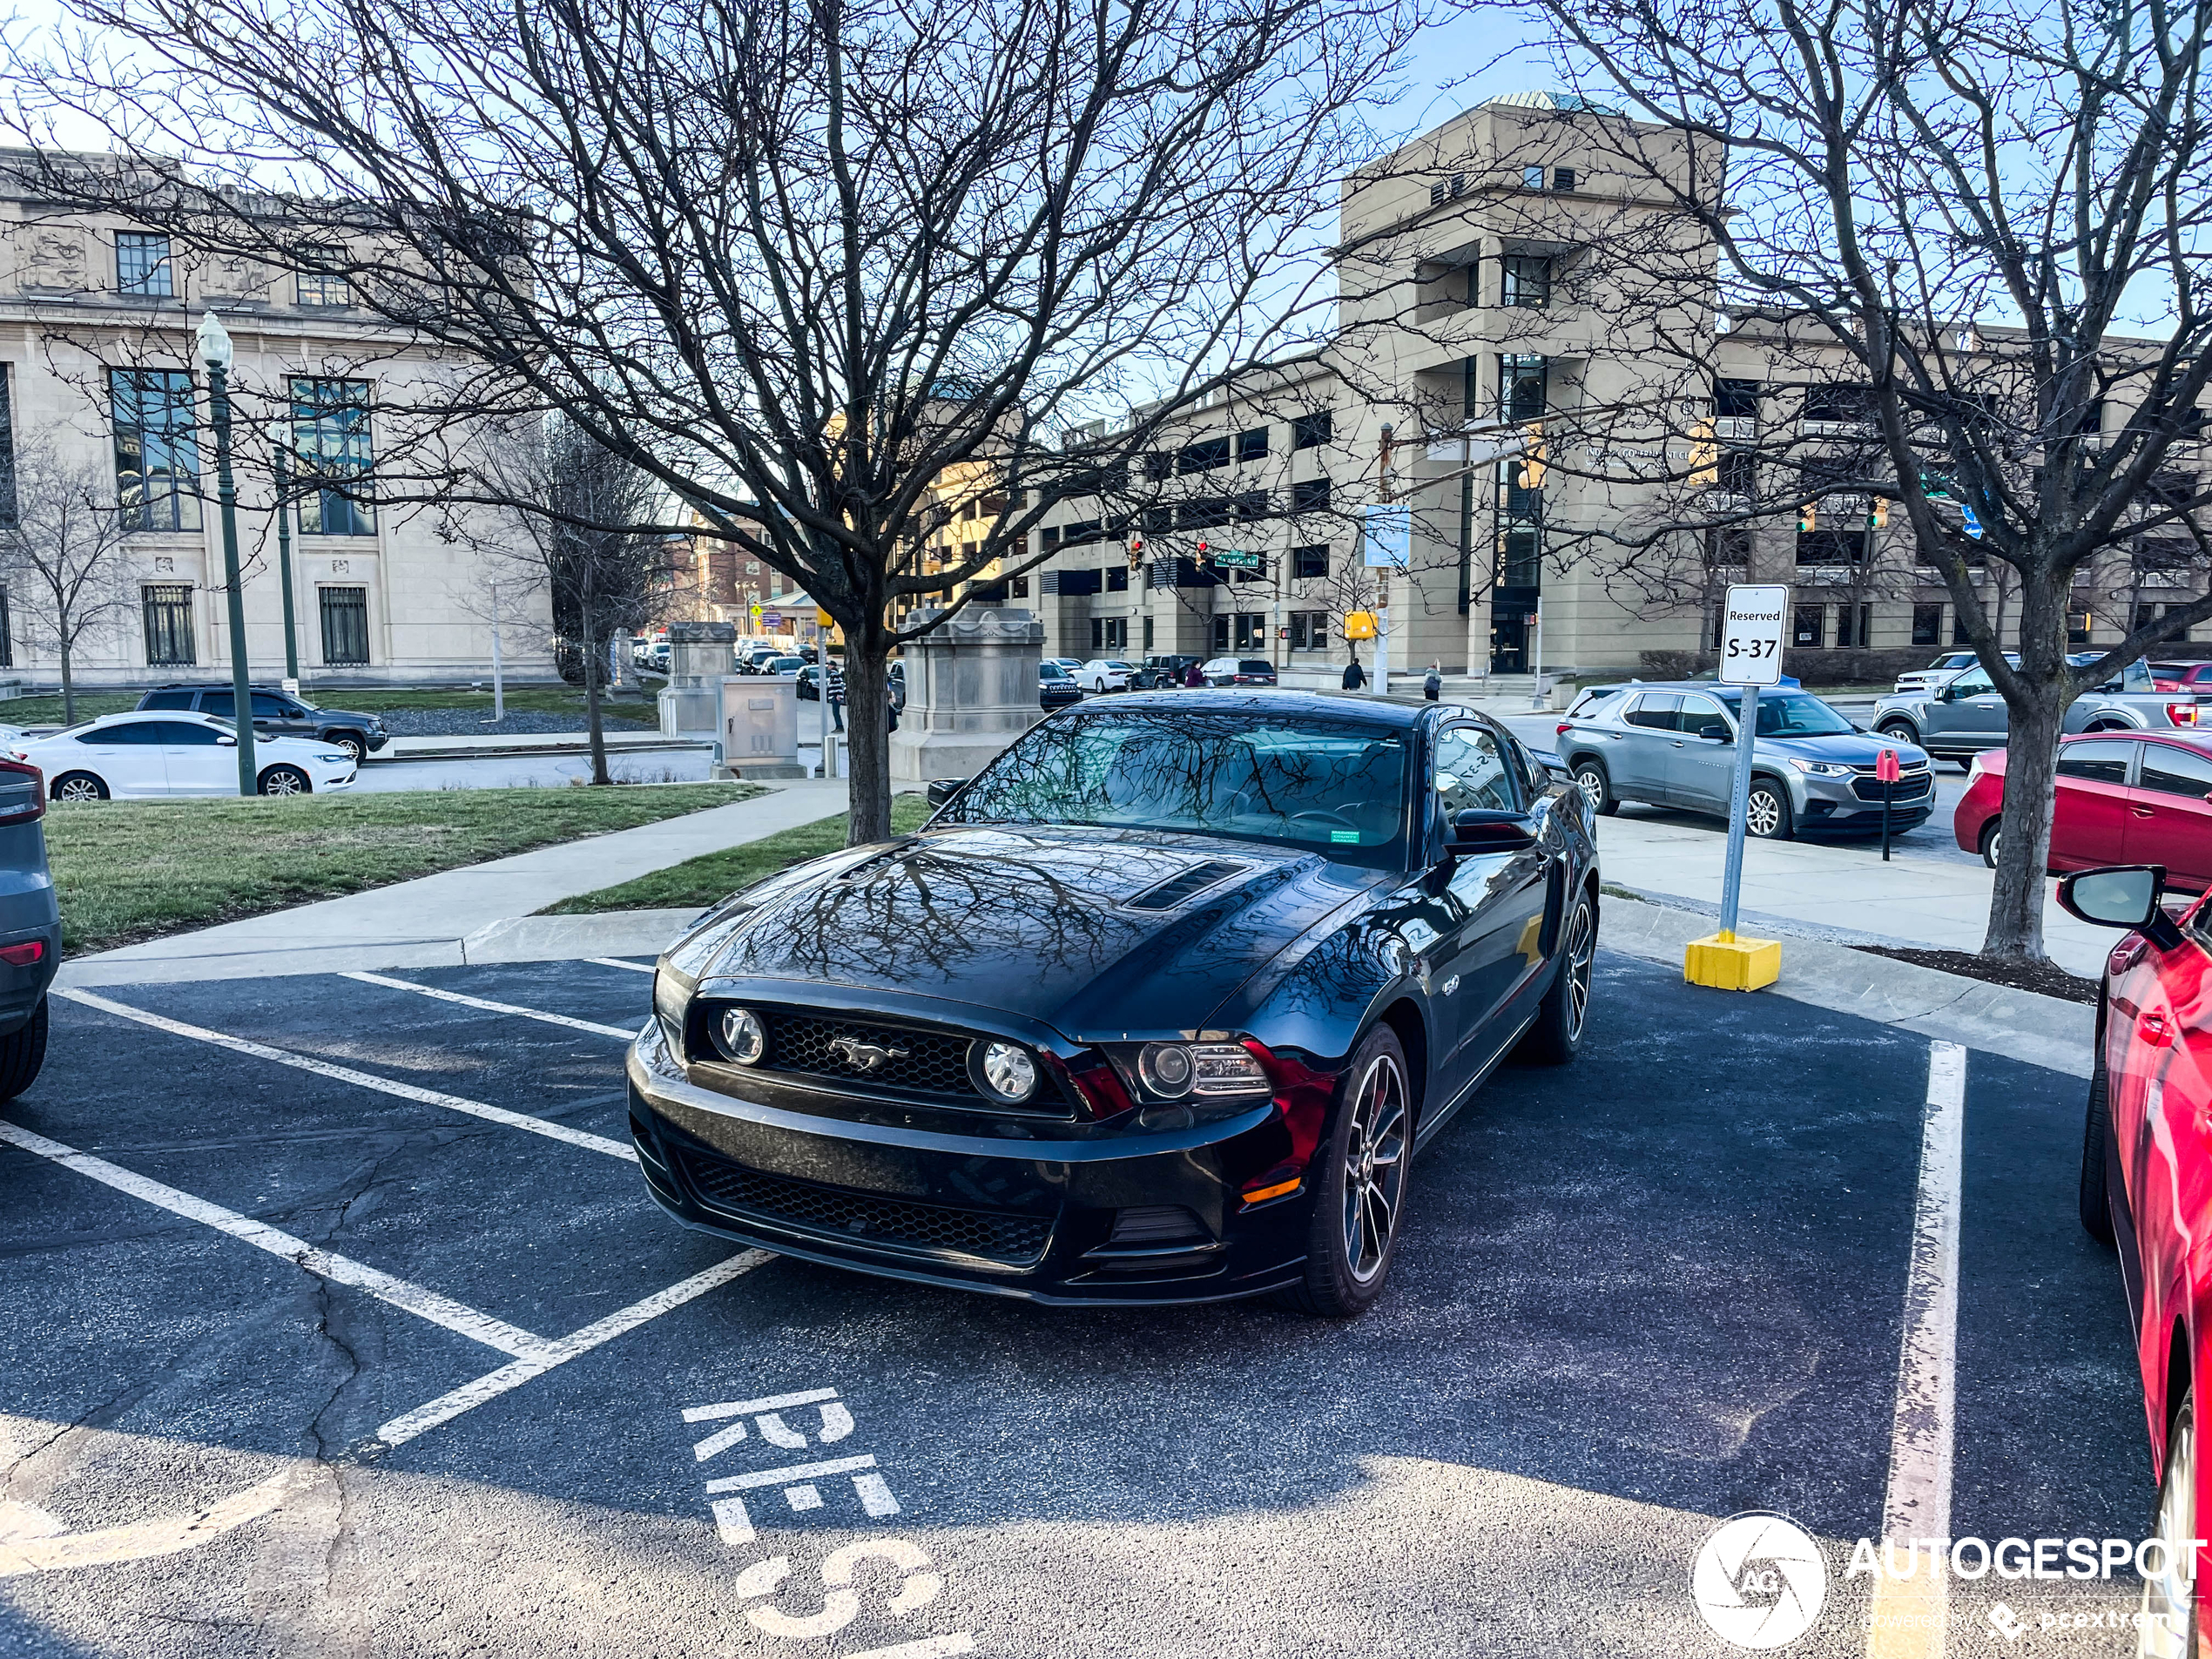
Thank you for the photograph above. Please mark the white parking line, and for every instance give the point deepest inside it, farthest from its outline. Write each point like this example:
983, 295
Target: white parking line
340, 1270
1909, 1617
616, 961
560, 1350
365, 1080
621, 1032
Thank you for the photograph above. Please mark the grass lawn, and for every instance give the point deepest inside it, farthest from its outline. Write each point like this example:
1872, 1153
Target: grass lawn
130, 870
626, 709
699, 882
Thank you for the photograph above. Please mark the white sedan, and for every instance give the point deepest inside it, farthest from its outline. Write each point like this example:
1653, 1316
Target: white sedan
159, 755
1103, 674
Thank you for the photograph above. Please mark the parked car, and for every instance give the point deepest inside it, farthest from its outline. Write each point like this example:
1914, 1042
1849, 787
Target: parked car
1103, 674
2181, 676
1159, 673
279, 713
1943, 670
1073, 665
809, 682
31, 927
1967, 715
895, 678
754, 659
154, 756
1056, 687
2131, 800
1117, 1026
2146, 1171
781, 665
1238, 670
1674, 744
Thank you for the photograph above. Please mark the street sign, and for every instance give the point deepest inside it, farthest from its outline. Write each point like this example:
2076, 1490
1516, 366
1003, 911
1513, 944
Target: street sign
1229, 559
1390, 535
1751, 635
1972, 524
1358, 625
772, 620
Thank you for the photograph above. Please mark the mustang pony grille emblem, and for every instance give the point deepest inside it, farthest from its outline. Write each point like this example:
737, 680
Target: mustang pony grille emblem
863, 1055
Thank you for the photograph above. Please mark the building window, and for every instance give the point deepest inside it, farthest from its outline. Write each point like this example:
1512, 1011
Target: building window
1444, 189
7, 633
1251, 631
1159, 466
1738, 474
1854, 627
1521, 387
1147, 633
1203, 457
1847, 404
1728, 545
1109, 633
1736, 400
7, 451
1310, 561
1809, 626
1562, 179
322, 288
1252, 445
1715, 626
1927, 624
1527, 281
1959, 634
1309, 495
344, 627
1520, 560
1019, 587
1532, 178
156, 456
1831, 547
169, 635
330, 433
142, 265
1118, 579
1309, 630
1310, 431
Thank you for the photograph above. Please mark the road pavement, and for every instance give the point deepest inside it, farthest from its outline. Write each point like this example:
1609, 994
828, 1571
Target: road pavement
354, 1332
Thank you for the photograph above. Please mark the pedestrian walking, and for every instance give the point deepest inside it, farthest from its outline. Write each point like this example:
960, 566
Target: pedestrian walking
1433, 687
1354, 676
837, 697
1192, 678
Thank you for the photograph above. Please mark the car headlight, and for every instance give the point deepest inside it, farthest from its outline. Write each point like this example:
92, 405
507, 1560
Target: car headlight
1820, 768
334, 760
671, 997
1165, 1068
740, 1036
1009, 1070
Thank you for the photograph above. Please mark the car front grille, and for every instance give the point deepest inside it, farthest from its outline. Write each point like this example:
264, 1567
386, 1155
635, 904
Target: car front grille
855, 1215
1910, 787
863, 1056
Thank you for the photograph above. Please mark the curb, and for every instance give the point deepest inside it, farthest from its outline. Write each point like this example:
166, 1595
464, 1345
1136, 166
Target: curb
2021, 1025
553, 938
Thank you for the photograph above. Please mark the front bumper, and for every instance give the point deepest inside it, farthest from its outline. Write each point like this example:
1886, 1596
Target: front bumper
1034, 1218
1839, 803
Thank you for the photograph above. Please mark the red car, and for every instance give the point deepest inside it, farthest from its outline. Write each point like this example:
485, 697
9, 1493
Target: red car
2180, 676
2136, 798
2146, 1188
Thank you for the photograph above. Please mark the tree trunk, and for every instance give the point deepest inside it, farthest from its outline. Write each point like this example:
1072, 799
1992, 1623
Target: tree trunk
2034, 723
867, 726
69, 683
591, 717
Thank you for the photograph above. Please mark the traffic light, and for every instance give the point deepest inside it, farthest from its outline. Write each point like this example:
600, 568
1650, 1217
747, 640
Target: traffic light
1205, 553
1532, 463
1806, 516
1704, 457
1136, 551
1878, 516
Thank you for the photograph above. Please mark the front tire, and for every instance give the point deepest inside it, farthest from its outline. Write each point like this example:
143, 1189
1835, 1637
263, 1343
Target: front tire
1766, 812
1899, 731
22, 1051
1596, 788
2166, 1628
2095, 1199
353, 744
1993, 838
285, 781
1359, 1185
79, 786
1557, 1036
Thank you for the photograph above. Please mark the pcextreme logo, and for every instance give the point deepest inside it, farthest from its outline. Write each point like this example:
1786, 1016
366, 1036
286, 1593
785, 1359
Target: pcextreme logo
1758, 1581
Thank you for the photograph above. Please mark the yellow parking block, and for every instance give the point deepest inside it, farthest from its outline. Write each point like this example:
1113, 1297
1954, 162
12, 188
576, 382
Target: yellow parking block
1728, 963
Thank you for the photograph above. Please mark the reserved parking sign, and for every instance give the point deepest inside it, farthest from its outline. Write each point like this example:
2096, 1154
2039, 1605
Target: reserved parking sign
1751, 636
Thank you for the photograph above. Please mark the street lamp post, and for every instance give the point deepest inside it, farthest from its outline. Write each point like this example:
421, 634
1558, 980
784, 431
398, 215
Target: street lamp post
216, 352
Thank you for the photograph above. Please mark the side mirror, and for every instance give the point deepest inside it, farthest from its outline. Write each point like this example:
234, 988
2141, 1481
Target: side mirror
1481, 829
2125, 896
943, 789
222, 742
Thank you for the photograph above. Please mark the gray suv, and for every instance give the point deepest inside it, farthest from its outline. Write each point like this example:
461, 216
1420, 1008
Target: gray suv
1966, 715
1674, 744
31, 927
279, 714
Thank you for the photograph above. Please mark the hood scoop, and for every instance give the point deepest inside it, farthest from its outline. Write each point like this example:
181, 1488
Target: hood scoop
1185, 885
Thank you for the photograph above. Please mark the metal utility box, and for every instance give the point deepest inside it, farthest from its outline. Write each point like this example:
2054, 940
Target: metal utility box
760, 726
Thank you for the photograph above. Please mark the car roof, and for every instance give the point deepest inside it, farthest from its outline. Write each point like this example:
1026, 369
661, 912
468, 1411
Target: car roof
1335, 705
2199, 741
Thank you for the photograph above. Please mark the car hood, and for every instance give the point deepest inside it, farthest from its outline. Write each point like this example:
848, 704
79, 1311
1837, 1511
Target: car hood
1851, 749
1094, 933
357, 717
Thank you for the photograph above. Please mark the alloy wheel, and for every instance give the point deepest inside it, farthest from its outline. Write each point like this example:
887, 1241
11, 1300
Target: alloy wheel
1763, 813
77, 789
283, 781
1582, 948
2169, 1595
1592, 784
1374, 1168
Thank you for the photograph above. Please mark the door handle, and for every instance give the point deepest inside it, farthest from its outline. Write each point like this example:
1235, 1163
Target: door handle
1678, 743
2154, 1030
2143, 812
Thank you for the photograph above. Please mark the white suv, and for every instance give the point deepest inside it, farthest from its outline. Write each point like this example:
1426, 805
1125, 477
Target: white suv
1943, 670
1103, 674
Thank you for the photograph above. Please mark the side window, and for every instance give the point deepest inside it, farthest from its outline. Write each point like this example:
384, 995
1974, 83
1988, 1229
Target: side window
176, 734
1974, 681
221, 705
1655, 710
167, 700
1472, 773
2174, 772
1702, 717
268, 707
2102, 760
109, 737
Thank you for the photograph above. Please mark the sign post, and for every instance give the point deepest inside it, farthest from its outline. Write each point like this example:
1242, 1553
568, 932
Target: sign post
1886, 772
1750, 657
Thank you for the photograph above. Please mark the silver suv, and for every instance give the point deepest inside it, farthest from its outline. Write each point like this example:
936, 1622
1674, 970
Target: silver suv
1966, 715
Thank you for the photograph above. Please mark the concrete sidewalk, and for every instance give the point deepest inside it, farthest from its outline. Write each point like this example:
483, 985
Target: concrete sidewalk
430, 923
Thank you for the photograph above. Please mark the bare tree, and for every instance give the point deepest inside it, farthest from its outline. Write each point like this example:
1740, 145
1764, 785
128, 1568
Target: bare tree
570, 502
58, 551
798, 264
1957, 252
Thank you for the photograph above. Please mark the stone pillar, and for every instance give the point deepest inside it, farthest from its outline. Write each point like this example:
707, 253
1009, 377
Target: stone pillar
698, 657
971, 690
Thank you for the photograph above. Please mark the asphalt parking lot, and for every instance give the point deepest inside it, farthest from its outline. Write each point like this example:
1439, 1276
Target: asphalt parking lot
337, 1321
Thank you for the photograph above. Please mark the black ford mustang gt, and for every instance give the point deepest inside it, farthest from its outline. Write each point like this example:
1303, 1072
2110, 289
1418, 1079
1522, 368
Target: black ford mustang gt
1155, 1009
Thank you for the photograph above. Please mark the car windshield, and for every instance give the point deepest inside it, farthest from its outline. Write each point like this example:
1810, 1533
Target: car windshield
1337, 785
1255, 668
1790, 714
1051, 672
